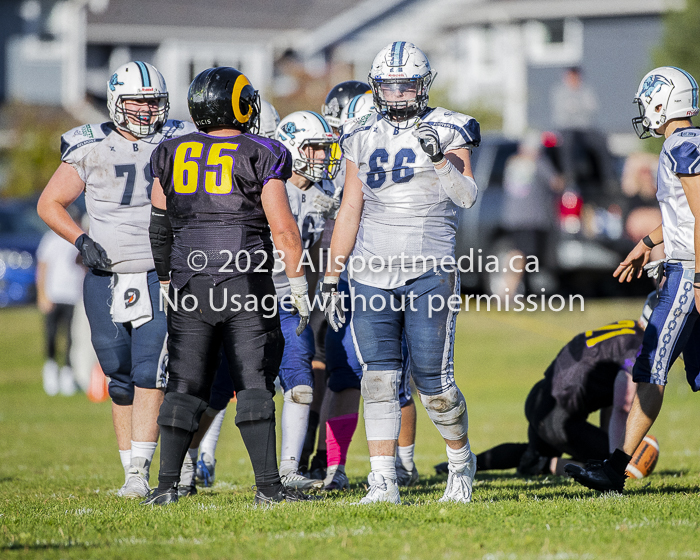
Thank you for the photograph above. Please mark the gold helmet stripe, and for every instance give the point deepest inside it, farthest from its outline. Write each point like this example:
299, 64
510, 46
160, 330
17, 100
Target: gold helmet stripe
241, 82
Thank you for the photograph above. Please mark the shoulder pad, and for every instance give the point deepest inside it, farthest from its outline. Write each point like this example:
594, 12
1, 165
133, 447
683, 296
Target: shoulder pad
685, 157
82, 139
464, 125
173, 128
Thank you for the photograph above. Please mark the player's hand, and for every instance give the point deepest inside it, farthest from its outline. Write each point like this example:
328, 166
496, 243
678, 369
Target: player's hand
332, 302
94, 255
327, 205
429, 142
634, 263
300, 301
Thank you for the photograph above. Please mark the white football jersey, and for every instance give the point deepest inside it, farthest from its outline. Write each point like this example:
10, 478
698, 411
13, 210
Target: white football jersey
680, 155
118, 181
310, 222
406, 211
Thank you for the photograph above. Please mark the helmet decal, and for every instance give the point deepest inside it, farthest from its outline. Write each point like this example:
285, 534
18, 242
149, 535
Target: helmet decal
290, 129
241, 82
114, 81
653, 84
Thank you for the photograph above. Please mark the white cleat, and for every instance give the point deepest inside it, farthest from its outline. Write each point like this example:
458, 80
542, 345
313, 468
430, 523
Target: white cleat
66, 382
299, 482
336, 479
459, 484
136, 485
381, 490
50, 378
206, 467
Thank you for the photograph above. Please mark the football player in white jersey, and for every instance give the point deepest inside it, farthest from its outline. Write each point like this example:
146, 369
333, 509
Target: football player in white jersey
111, 163
408, 174
310, 140
667, 98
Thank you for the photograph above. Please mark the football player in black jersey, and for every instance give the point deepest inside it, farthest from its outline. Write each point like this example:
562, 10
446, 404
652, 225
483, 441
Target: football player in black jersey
218, 197
592, 372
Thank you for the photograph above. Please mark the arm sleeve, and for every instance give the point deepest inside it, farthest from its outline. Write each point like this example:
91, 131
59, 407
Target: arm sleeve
685, 159
161, 237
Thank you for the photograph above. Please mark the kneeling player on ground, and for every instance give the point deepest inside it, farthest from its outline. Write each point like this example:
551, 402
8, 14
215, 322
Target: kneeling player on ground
218, 195
592, 372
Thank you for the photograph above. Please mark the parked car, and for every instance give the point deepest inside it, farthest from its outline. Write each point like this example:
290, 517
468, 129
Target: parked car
586, 241
21, 230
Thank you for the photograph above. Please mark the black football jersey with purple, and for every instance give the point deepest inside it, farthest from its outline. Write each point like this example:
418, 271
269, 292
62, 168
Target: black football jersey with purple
583, 374
213, 186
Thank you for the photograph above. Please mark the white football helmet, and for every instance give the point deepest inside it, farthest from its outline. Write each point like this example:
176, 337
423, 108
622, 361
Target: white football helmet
304, 129
268, 120
665, 93
400, 79
359, 106
137, 80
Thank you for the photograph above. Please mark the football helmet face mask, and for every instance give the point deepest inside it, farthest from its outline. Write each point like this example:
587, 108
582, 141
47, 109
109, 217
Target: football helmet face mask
268, 121
665, 93
339, 97
223, 96
359, 106
306, 134
400, 79
141, 82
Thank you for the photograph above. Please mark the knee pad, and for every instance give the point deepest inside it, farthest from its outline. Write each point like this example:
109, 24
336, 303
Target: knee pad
380, 390
122, 394
301, 394
253, 405
180, 410
448, 411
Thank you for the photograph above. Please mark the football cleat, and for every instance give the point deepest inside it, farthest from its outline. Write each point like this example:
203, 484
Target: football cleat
299, 482
381, 490
51, 378
406, 478
533, 464
284, 494
158, 497
187, 478
597, 475
136, 485
205, 472
336, 479
459, 483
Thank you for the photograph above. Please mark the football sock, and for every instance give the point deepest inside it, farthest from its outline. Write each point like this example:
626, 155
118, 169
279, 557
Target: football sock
259, 439
504, 456
295, 417
174, 444
192, 454
320, 460
458, 458
619, 461
405, 455
125, 457
143, 450
211, 438
384, 465
339, 432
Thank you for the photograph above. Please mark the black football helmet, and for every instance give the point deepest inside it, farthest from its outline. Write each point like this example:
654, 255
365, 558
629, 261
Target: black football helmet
223, 96
339, 97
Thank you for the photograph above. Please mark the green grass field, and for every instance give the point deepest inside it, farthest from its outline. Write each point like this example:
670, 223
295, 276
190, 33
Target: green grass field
59, 471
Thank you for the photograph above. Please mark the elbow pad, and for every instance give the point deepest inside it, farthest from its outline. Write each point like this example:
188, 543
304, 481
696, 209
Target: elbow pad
161, 236
460, 188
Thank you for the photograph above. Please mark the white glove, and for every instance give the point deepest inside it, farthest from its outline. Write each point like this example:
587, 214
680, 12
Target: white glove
332, 302
327, 205
300, 301
429, 142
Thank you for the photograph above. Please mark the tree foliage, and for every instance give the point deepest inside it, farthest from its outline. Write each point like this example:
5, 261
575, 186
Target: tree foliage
680, 45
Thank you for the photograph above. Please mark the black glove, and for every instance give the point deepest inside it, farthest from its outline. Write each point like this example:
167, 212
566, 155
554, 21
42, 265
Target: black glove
94, 255
429, 142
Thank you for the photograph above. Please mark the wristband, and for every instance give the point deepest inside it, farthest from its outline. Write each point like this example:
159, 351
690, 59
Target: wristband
648, 242
331, 279
299, 281
696, 279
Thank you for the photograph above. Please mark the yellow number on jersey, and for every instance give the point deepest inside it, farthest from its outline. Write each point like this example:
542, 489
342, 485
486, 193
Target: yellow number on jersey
186, 170
223, 175
614, 329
